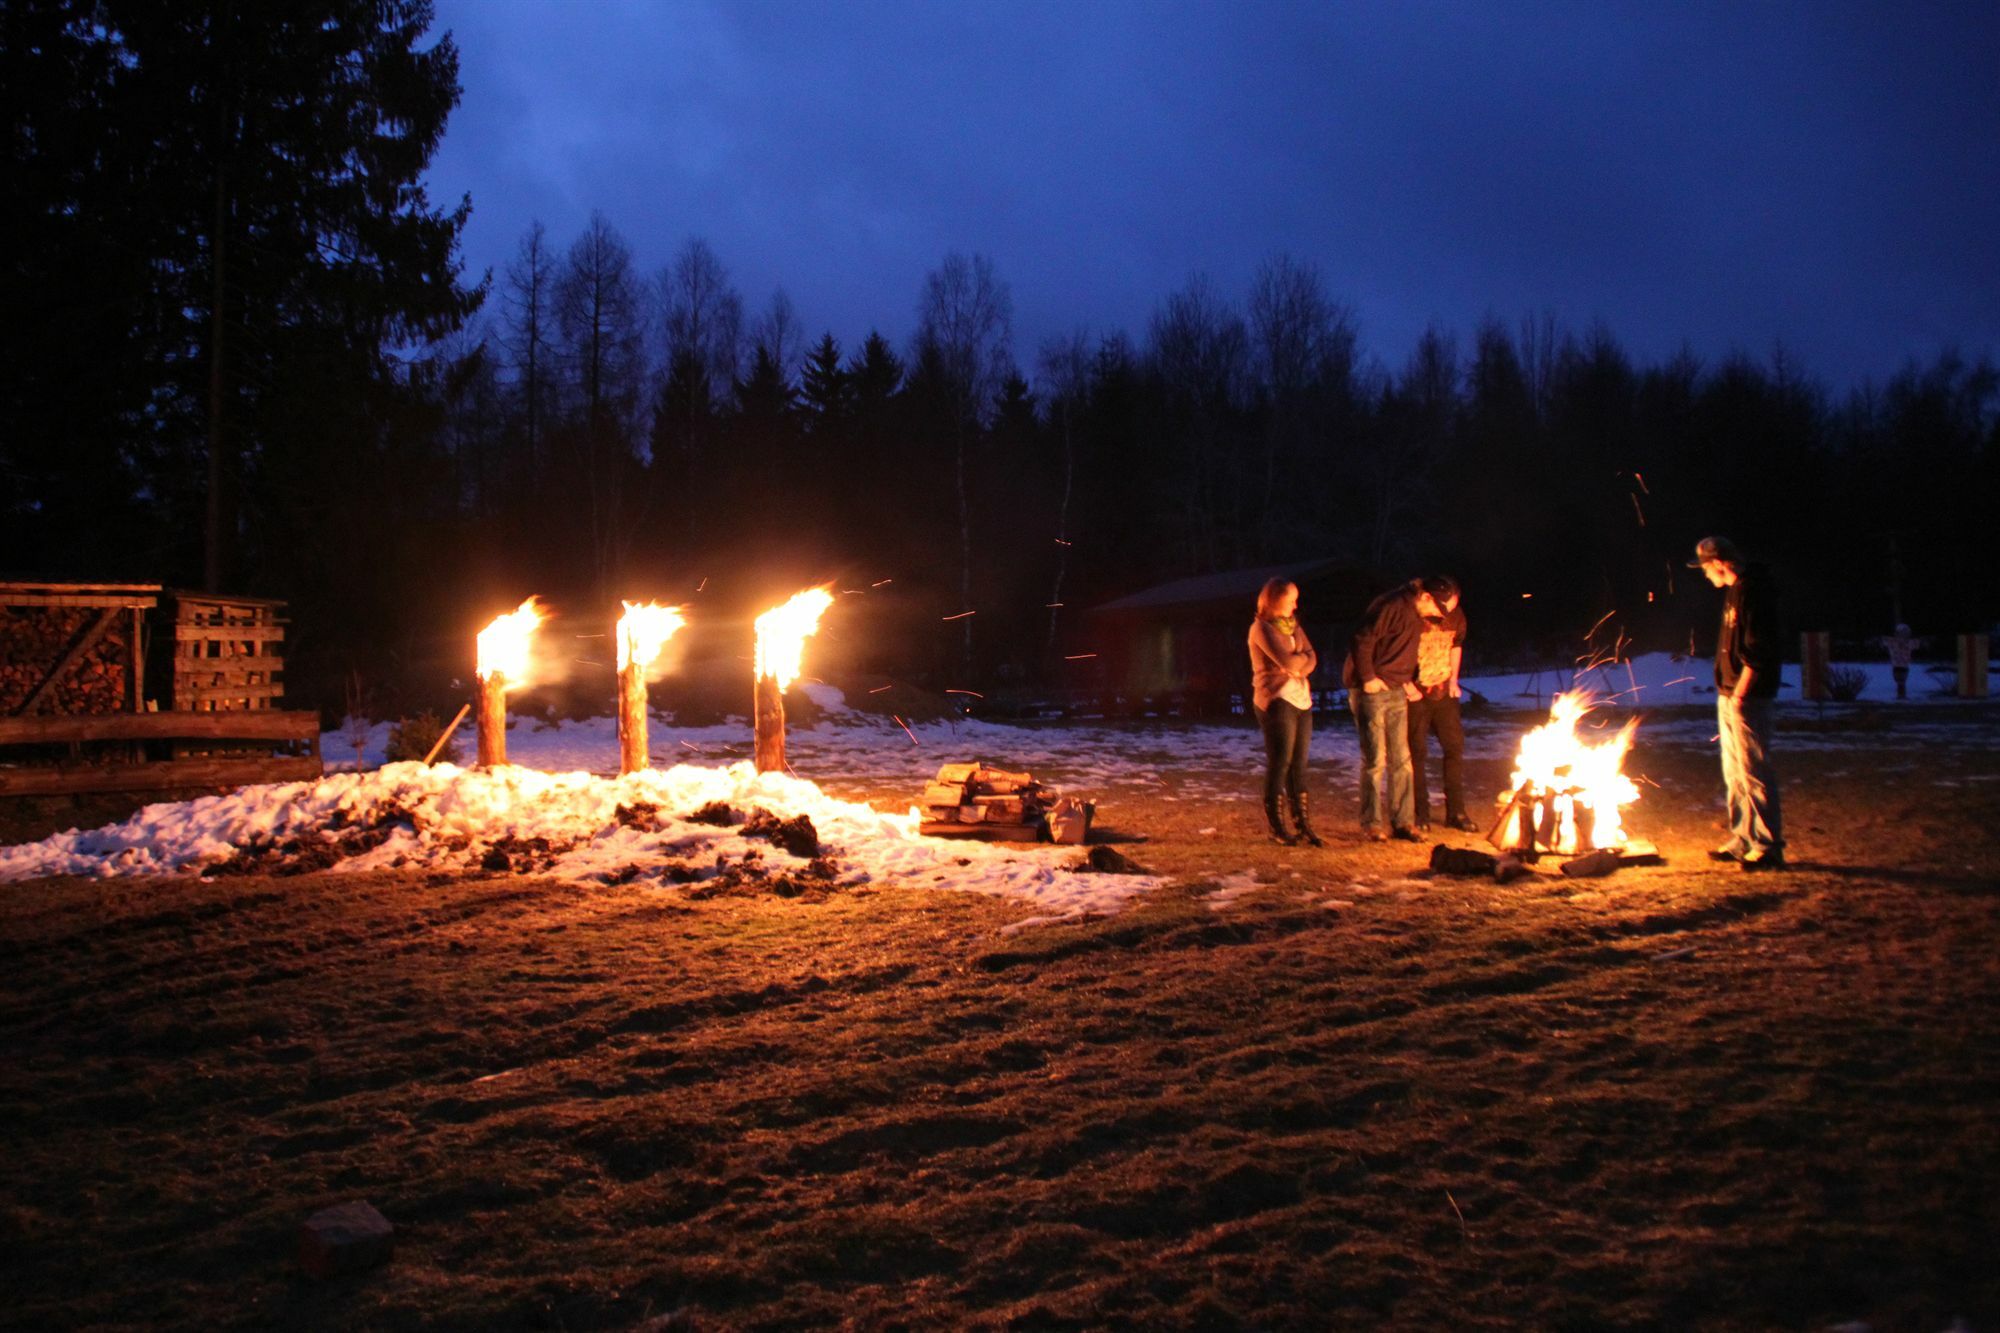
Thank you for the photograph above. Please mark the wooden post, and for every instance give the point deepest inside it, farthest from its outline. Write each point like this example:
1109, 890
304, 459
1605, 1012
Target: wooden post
634, 751
492, 706
1815, 652
769, 722
1972, 665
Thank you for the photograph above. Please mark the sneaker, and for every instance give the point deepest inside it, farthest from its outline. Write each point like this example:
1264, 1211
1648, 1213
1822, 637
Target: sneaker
1768, 861
1423, 826
1375, 834
1729, 851
1406, 835
1463, 823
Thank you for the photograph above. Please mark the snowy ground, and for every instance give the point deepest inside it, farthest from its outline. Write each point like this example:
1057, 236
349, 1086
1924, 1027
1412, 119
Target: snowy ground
558, 810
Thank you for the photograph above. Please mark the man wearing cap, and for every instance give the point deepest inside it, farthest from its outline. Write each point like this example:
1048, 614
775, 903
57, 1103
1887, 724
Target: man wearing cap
1747, 659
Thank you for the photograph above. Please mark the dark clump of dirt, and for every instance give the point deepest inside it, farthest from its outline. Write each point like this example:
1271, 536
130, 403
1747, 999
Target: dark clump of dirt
796, 835
641, 815
300, 856
719, 813
523, 856
1108, 861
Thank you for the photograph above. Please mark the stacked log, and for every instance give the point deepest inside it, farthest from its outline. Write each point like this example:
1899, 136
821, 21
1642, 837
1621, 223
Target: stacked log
34, 639
970, 800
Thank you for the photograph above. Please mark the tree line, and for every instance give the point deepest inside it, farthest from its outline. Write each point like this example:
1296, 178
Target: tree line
243, 352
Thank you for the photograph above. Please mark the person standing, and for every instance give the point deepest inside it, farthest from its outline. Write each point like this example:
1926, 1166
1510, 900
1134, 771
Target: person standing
1748, 655
1899, 645
1439, 653
1281, 660
1381, 678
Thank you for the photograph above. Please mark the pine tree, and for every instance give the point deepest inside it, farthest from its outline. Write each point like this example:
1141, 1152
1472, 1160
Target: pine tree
826, 391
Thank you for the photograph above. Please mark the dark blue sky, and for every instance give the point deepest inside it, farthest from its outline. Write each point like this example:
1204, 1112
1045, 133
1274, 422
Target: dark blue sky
1725, 175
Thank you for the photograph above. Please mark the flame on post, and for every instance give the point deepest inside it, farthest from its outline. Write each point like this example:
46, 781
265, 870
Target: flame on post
502, 662
781, 643
504, 644
643, 630
1581, 784
782, 632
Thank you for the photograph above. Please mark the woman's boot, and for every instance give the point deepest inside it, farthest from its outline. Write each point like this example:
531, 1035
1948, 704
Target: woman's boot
1302, 818
1279, 833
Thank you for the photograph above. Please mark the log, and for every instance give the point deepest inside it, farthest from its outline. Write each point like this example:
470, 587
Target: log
1500, 835
491, 706
264, 724
88, 640
156, 776
634, 747
768, 725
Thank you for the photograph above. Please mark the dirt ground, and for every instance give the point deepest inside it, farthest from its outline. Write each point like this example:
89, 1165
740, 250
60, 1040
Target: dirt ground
1357, 1096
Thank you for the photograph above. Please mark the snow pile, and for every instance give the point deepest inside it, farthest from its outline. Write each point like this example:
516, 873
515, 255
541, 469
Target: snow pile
688, 825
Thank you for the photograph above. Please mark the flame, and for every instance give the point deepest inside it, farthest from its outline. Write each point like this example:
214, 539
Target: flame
782, 633
1582, 776
643, 630
503, 645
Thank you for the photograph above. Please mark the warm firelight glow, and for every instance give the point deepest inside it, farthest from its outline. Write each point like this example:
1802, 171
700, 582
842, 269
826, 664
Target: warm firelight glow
503, 645
643, 630
782, 632
1581, 775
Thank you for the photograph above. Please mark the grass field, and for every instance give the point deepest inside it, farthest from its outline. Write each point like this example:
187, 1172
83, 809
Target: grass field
1291, 1089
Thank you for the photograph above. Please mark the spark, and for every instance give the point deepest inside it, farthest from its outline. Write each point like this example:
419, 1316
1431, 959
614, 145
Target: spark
585, 661
1599, 625
854, 592
974, 693
962, 615
1078, 657
1641, 479
692, 746
1061, 542
879, 688
701, 585
906, 730
588, 636
1527, 596
1679, 680
1050, 606
879, 583
1637, 510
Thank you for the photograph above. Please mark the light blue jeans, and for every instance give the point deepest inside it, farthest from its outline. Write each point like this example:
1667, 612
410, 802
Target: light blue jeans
1384, 723
1756, 823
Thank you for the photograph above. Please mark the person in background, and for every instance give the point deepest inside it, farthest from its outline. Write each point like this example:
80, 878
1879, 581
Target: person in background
1281, 660
1439, 653
1381, 678
1899, 645
1747, 659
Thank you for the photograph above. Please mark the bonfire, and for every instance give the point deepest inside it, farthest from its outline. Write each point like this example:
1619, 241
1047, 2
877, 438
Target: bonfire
642, 632
1567, 792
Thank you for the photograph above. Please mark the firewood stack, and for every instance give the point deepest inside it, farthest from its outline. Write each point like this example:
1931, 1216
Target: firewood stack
33, 640
973, 801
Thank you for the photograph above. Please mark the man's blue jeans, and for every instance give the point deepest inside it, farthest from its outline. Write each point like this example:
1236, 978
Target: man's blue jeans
1756, 824
1384, 723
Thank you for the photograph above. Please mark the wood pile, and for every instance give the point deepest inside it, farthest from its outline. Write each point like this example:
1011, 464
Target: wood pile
34, 639
970, 800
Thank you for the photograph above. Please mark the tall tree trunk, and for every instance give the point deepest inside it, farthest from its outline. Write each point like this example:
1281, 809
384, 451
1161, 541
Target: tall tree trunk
211, 576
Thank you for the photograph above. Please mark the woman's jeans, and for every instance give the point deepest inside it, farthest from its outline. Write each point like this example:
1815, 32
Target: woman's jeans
1288, 734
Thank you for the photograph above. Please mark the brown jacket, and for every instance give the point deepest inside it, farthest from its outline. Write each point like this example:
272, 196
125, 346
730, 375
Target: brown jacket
1276, 658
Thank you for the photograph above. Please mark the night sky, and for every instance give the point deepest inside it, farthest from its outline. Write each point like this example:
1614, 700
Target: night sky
1825, 176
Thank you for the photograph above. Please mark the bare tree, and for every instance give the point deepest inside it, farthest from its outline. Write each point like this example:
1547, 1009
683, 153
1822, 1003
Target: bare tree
527, 296
1197, 347
778, 333
965, 324
599, 313
701, 313
1302, 353
1064, 372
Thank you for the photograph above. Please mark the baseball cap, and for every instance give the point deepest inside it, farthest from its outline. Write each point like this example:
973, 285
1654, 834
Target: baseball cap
1714, 548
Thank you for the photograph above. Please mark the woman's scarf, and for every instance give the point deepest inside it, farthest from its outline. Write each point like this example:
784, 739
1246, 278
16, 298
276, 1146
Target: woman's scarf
1285, 624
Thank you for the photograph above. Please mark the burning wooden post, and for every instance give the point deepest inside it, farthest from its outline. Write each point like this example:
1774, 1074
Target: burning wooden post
781, 644
642, 632
503, 663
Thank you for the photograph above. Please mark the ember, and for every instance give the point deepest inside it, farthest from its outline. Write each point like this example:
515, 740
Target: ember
1566, 793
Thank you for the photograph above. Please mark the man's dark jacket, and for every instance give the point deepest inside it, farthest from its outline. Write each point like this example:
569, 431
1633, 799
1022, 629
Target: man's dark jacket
1750, 634
1385, 646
